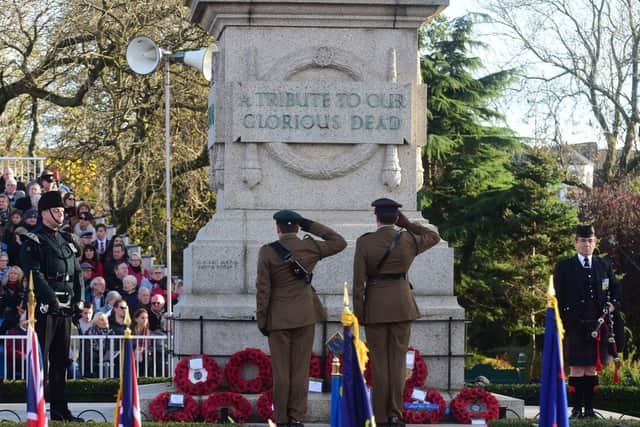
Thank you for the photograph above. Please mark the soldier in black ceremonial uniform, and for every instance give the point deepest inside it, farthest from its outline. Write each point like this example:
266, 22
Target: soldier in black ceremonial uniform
587, 290
51, 257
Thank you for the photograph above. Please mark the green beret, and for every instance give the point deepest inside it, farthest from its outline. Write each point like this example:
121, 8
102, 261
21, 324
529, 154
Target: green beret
287, 217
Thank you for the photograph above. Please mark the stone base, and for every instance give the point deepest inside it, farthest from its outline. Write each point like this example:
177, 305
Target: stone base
319, 404
219, 277
234, 329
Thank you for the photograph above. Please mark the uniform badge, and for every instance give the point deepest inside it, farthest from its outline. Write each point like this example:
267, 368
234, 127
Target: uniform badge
73, 248
44, 308
605, 284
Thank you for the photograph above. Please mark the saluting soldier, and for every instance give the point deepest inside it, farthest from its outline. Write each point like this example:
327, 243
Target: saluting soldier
287, 307
585, 285
51, 256
384, 303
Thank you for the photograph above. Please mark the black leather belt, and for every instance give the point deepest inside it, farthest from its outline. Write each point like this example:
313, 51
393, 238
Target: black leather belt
60, 277
382, 277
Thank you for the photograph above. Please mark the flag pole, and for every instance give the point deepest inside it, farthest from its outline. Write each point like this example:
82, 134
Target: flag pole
31, 303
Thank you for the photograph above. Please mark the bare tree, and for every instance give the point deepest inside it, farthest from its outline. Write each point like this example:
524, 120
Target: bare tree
64, 76
585, 52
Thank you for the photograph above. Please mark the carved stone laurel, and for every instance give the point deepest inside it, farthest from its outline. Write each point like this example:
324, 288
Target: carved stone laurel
324, 56
333, 167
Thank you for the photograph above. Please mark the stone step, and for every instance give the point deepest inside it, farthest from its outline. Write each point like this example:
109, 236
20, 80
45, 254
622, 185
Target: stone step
319, 404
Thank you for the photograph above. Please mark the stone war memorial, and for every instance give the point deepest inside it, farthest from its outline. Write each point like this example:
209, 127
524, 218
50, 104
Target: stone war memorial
317, 107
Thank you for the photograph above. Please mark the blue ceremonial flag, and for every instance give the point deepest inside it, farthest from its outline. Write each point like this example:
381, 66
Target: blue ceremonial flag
127, 413
336, 400
356, 406
553, 391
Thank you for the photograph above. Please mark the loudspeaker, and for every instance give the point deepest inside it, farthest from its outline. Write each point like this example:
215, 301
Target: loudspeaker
143, 55
201, 59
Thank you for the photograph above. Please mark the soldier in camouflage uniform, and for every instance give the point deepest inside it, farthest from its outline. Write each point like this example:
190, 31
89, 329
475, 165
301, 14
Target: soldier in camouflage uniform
50, 255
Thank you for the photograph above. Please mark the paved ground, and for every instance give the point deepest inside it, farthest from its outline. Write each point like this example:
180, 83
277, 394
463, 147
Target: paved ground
104, 411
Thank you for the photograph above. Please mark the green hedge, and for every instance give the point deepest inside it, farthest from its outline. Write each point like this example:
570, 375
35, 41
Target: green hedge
611, 398
85, 390
510, 422
94, 424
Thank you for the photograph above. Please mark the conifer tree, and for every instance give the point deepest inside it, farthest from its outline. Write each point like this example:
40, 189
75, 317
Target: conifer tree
495, 200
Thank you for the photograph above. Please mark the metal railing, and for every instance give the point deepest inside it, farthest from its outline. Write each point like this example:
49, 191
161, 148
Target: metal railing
26, 169
91, 356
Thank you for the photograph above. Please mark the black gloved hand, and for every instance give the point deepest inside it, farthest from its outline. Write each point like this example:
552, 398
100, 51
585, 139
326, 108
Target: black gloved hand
306, 224
77, 309
264, 331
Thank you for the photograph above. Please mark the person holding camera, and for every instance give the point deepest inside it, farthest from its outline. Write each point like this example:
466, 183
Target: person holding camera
50, 256
287, 307
587, 290
384, 303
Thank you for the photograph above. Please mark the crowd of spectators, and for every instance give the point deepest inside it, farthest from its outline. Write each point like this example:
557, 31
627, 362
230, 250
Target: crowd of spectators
115, 281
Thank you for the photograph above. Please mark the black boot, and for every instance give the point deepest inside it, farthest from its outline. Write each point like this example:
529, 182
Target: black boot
295, 423
575, 396
60, 411
590, 386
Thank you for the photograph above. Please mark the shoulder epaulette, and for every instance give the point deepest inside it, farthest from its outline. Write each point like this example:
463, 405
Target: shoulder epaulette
32, 236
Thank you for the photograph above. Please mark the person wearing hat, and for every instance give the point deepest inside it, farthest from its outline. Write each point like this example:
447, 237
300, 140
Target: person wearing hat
287, 307
585, 285
47, 181
384, 303
50, 256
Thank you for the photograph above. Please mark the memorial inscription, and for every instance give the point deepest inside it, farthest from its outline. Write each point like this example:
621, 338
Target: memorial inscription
321, 112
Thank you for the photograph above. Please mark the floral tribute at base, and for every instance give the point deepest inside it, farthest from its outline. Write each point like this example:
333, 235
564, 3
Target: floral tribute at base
474, 403
159, 411
190, 384
424, 416
238, 408
233, 371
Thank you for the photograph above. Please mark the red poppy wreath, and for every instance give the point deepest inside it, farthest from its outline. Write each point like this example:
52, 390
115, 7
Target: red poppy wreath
474, 403
198, 382
238, 407
423, 416
234, 367
159, 411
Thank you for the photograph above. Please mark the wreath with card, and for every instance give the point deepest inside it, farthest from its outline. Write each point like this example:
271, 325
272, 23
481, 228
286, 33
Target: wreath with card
238, 408
198, 375
475, 403
414, 414
160, 410
235, 367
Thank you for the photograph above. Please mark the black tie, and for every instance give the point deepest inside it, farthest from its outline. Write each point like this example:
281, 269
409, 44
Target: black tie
586, 262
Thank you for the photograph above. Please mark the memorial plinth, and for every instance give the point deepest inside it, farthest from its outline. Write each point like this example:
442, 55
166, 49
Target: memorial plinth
317, 107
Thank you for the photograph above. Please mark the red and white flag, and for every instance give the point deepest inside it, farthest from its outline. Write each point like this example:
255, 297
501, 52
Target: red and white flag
36, 412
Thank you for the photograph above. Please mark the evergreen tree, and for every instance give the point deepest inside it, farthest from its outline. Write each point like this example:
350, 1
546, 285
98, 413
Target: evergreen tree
495, 201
